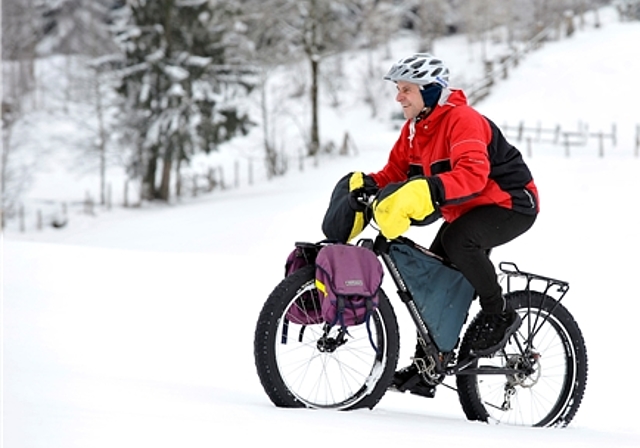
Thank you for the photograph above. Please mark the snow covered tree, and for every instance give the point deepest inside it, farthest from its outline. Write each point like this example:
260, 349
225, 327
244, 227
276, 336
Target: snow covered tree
481, 19
180, 83
319, 28
21, 31
312, 30
429, 19
76, 26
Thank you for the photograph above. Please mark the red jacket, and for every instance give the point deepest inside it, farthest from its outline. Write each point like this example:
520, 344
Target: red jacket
466, 159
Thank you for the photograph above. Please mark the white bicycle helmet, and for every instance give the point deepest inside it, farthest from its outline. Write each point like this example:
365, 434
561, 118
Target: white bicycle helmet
421, 69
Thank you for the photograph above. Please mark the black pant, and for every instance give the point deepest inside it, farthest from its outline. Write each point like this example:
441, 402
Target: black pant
466, 242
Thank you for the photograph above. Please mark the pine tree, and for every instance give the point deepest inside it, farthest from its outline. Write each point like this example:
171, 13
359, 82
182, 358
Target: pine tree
178, 83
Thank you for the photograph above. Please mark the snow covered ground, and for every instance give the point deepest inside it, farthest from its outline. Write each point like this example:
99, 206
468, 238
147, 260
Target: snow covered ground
135, 328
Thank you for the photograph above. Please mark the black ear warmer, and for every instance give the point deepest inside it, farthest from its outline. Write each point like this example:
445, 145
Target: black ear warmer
431, 94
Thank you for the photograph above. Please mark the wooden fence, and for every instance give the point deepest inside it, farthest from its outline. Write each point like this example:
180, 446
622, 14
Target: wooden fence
38, 214
566, 138
499, 69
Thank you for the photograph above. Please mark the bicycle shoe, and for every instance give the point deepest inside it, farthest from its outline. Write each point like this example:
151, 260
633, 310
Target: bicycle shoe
408, 379
492, 331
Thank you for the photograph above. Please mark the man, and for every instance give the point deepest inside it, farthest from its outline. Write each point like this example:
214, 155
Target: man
451, 161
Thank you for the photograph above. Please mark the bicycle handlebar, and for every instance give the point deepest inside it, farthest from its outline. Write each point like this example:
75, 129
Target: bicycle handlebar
366, 199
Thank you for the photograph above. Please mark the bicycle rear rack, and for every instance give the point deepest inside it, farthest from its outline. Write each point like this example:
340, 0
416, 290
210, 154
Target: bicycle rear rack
511, 271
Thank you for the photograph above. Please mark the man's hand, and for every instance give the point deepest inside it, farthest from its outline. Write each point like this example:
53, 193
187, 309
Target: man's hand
360, 185
400, 204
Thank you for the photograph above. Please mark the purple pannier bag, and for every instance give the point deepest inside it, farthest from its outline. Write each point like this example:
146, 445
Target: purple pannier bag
306, 310
348, 279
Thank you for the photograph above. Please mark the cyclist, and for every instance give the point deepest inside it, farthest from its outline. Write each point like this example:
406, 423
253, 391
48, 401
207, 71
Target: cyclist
452, 162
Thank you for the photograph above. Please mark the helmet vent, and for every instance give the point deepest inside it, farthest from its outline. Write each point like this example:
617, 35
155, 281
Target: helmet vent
421, 69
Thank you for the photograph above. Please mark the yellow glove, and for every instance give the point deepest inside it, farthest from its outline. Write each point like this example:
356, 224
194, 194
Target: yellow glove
397, 205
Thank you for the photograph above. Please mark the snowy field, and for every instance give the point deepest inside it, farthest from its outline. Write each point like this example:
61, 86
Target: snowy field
135, 328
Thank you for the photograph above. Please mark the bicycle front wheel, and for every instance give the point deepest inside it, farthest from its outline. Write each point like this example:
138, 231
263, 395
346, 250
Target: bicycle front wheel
549, 355
310, 364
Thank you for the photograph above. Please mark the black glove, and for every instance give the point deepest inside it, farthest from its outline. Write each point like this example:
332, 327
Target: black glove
360, 185
341, 222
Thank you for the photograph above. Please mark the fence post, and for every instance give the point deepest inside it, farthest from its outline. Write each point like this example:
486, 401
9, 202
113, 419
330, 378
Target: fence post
250, 171
221, 170
601, 144
567, 151
529, 148
236, 174
88, 204
39, 217
344, 149
21, 218
520, 130
178, 183
488, 70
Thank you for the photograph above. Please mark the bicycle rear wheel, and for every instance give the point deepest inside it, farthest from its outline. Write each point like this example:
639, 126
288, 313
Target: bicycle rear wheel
314, 365
550, 353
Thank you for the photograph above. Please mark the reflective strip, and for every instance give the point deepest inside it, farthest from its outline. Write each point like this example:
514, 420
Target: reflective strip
321, 287
358, 225
356, 181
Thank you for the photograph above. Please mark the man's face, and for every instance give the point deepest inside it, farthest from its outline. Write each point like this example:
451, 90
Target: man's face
410, 99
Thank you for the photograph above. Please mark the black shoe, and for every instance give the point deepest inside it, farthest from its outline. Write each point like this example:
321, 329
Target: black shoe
408, 379
492, 331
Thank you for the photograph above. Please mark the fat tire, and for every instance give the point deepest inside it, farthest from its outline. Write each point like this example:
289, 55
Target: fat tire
265, 340
575, 372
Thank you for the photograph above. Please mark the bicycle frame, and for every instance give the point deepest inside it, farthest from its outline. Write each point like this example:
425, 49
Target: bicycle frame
438, 360
439, 363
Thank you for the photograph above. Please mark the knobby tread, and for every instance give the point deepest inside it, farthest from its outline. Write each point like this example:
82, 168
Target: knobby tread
571, 395
266, 332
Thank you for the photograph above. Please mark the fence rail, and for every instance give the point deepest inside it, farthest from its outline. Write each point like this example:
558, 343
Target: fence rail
36, 214
500, 69
567, 138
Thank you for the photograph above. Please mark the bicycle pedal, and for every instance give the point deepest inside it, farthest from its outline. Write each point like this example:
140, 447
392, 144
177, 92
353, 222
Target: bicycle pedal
423, 390
414, 386
406, 384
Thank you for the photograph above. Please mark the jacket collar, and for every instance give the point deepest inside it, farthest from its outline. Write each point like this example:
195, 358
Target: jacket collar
449, 99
